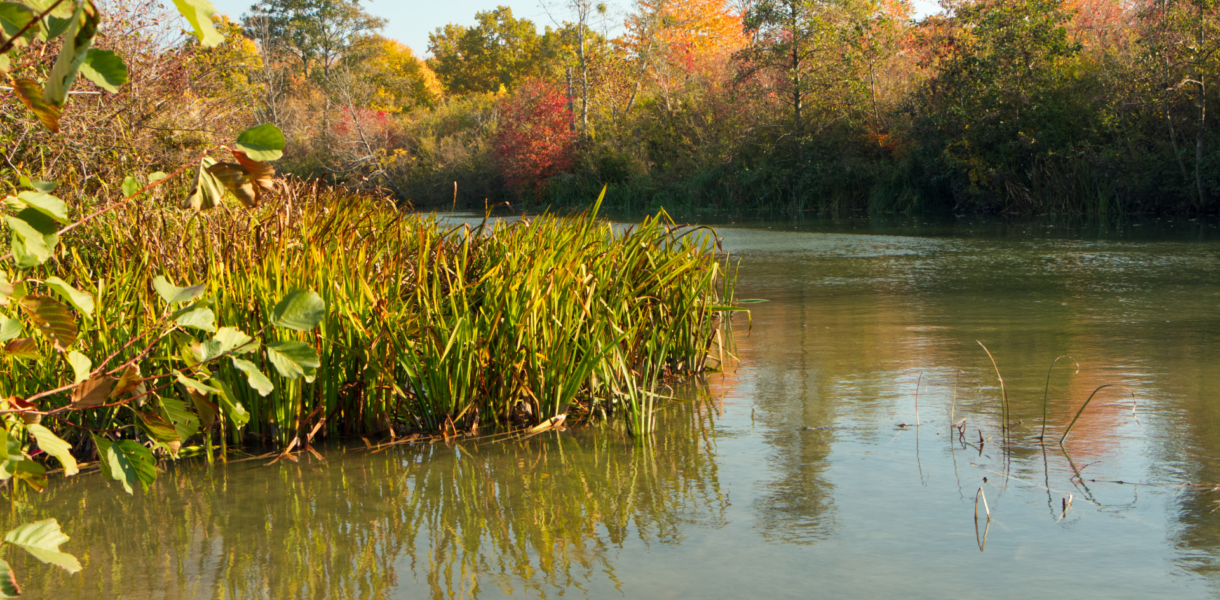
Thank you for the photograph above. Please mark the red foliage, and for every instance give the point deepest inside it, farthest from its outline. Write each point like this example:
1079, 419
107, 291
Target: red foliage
361, 126
536, 140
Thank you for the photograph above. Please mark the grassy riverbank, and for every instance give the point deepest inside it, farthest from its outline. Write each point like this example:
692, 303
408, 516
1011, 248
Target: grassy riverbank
429, 327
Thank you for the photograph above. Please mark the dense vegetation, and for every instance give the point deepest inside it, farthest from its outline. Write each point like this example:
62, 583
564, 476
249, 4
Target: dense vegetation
1033, 106
306, 311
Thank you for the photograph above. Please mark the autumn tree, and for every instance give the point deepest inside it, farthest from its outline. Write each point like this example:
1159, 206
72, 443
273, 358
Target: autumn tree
668, 41
401, 80
535, 140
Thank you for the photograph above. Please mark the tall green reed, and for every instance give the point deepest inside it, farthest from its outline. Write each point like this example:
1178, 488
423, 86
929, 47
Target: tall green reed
430, 326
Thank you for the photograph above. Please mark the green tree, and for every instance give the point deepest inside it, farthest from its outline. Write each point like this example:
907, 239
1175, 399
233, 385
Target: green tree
496, 52
803, 46
1002, 98
318, 33
1180, 45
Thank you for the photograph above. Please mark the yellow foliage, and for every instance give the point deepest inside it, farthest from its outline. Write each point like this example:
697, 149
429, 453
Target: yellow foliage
402, 80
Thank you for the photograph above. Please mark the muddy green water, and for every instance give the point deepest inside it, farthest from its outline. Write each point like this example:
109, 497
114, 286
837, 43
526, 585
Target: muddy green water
790, 475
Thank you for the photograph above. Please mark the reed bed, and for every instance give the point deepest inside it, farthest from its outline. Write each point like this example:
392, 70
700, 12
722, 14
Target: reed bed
430, 326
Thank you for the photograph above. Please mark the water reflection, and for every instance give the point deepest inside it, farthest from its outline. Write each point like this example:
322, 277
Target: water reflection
856, 321
803, 473
534, 518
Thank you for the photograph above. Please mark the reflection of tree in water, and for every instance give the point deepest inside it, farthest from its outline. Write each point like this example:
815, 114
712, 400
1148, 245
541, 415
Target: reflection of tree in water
790, 385
541, 515
1196, 439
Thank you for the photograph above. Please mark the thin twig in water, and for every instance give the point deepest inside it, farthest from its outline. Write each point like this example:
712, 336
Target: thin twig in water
1046, 392
1090, 399
1003, 389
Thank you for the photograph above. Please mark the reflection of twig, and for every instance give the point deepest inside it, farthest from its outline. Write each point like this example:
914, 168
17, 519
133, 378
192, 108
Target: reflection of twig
1030, 483
1067, 503
982, 541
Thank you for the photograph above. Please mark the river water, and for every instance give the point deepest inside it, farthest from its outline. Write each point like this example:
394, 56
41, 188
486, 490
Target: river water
826, 463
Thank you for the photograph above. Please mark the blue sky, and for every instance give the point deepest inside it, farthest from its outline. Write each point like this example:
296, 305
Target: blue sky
410, 21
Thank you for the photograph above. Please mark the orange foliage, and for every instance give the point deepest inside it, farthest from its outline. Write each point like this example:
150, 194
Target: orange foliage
685, 31
1099, 22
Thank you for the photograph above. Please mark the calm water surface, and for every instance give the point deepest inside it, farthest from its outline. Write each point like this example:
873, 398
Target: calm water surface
824, 465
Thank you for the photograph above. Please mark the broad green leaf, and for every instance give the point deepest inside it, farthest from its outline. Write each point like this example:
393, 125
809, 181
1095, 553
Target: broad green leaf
13, 17
34, 237
76, 43
208, 191
62, 11
20, 290
254, 377
42, 540
93, 392
156, 176
193, 384
173, 294
185, 422
300, 310
5, 65
31, 95
81, 300
24, 469
81, 365
9, 328
227, 339
199, 318
188, 348
231, 407
4, 448
104, 68
6, 288
53, 445
130, 186
199, 14
293, 359
8, 582
53, 27
44, 203
23, 348
45, 187
127, 462
262, 143
52, 319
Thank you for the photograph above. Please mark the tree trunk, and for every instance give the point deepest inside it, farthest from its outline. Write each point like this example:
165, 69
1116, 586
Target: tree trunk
1173, 139
797, 98
584, 82
1201, 189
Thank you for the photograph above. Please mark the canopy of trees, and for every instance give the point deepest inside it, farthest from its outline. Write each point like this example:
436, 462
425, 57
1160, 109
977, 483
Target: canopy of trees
1067, 106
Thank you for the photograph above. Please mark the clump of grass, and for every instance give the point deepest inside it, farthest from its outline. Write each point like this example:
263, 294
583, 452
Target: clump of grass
429, 326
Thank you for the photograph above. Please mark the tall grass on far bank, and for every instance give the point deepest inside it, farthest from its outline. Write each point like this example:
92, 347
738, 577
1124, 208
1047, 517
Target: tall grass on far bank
430, 327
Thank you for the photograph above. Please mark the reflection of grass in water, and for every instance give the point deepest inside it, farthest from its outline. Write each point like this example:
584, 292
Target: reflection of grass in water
538, 515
